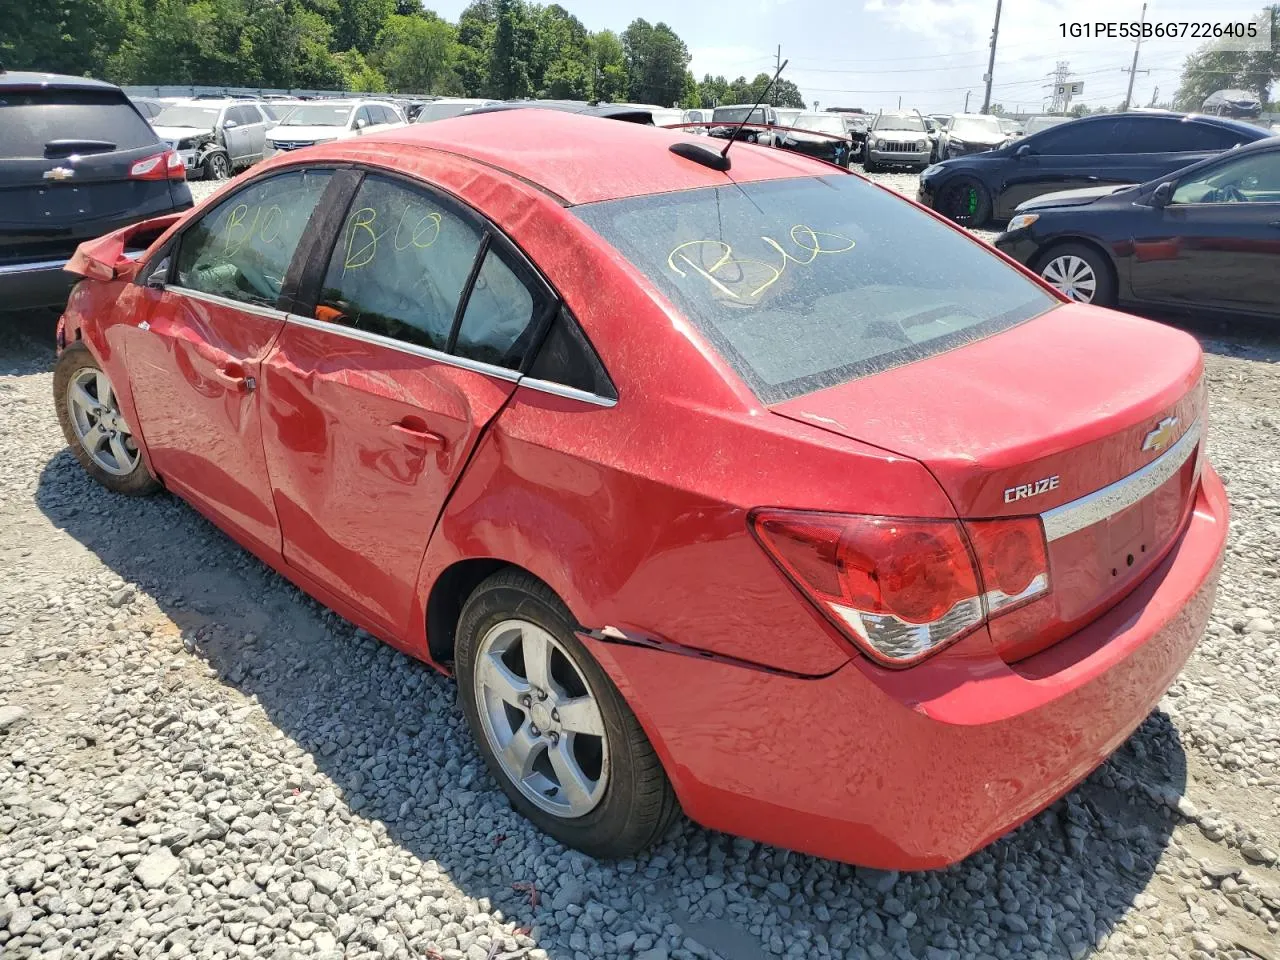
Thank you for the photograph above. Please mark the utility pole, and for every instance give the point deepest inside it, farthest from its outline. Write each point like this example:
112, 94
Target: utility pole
899, 101
777, 68
1133, 70
1155, 95
966, 100
991, 61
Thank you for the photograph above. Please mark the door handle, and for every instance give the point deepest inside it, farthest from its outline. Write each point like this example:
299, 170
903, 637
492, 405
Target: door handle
234, 379
419, 435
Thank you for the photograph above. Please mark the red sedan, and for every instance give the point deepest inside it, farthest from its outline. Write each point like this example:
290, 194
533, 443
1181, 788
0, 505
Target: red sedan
760, 493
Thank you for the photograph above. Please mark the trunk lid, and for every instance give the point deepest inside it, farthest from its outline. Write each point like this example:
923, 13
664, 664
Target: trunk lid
1074, 404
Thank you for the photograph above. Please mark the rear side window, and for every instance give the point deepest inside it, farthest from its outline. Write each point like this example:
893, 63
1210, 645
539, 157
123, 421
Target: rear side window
31, 122
501, 314
806, 283
400, 265
1075, 139
242, 248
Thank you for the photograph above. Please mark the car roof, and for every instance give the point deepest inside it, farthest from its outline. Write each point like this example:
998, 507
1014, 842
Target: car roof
22, 78
583, 159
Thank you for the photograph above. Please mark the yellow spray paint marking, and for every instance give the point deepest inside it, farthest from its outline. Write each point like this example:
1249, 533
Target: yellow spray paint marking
732, 276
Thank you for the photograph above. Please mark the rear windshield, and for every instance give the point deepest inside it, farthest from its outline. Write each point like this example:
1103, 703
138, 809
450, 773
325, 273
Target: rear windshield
802, 284
31, 120
738, 114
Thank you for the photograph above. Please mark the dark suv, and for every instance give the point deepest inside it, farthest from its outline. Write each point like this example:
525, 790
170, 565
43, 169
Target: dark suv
77, 160
1090, 152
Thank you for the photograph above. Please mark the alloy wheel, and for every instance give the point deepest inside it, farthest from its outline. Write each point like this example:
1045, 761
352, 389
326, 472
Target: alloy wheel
541, 719
99, 426
219, 166
1072, 276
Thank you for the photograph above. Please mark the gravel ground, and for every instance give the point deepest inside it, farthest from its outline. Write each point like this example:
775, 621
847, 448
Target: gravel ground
197, 760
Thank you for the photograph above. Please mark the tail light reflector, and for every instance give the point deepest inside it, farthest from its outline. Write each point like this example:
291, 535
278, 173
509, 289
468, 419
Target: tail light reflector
162, 166
902, 589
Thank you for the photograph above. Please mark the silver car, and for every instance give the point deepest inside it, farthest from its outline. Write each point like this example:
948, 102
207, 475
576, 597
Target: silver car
898, 139
214, 137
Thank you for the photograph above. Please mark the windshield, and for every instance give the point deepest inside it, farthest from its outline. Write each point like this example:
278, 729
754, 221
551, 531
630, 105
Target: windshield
182, 115
317, 115
977, 127
805, 283
738, 114
1036, 124
826, 123
898, 121
443, 111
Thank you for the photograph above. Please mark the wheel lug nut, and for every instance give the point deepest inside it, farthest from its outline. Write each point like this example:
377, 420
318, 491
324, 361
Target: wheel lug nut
542, 694
535, 731
555, 714
554, 737
525, 700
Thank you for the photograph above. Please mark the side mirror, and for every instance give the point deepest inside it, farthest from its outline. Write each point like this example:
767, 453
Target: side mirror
1022, 152
1162, 194
229, 124
361, 123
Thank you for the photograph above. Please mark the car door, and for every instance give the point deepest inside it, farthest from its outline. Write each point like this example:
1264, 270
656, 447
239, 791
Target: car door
379, 388
236, 135
1217, 242
1063, 158
195, 356
256, 123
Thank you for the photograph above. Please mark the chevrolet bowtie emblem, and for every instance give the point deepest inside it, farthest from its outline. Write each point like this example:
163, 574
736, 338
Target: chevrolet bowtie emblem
59, 173
1159, 438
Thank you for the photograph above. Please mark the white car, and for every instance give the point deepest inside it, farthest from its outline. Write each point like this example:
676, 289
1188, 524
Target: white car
214, 137
446, 107
321, 121
897, 138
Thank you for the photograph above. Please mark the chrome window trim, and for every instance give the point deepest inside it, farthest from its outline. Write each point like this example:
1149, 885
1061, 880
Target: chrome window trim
10, 268
570, 393
270, 312
410, 348
1095, 507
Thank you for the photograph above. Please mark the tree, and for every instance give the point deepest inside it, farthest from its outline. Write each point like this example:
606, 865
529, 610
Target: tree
476, 25
609, 67
69, 36
712, 90
656, 62
512, 47
416, 54
1212, 68
787, 94
359, 75
560, 66
359, 22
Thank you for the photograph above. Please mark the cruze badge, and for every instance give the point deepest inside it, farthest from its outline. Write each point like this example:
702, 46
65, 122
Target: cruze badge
1024, 490
1159, 438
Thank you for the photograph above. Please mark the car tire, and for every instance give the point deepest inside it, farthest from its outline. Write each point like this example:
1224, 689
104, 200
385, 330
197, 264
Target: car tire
216, 166
623, 802
1076, 269
870, 166
964, 201
94, 427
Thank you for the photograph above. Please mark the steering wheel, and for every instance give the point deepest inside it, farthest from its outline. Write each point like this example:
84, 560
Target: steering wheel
1230, 193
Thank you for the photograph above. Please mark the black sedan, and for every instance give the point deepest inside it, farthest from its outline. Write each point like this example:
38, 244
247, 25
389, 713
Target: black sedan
1205, 238
1090, 152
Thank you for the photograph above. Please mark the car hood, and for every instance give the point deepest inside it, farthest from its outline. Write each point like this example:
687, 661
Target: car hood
290, 134
181, 133
1074, 198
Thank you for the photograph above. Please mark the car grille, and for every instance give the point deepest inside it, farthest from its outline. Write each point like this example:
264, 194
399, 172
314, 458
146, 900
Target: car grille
898, 146
293, 144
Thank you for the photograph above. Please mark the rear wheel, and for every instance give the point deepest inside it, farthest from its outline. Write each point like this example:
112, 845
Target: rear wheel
554, 730
94, 427
1079, 272
965, 201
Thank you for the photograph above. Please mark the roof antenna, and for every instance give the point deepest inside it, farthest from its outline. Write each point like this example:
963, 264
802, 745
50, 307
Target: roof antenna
720, 161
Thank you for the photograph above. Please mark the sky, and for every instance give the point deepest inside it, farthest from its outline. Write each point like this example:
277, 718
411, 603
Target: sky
868, 53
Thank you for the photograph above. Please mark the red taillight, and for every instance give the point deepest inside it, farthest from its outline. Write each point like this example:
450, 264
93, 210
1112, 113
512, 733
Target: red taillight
902, 589
163, 166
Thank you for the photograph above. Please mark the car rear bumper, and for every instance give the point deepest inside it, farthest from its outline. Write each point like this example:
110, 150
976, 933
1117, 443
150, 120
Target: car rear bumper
919, 768
33, 285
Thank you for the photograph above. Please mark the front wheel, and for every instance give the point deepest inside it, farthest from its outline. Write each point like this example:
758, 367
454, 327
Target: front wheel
965, 201
216, 166
552, 727
96, 431
1080, 273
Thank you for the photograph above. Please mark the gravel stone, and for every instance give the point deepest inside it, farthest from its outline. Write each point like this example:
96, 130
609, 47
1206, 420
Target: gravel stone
223, 769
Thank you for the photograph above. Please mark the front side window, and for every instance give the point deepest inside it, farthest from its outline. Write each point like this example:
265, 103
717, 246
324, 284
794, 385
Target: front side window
805, 283
1250, 179
1078, 139
242, 248
182, 115
400, 265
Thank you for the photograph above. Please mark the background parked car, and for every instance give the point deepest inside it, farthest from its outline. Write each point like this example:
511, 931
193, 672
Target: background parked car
1010, 127
787, 116
214, 137
325, 120
724, 122
667, 116
967, 133
829, 141
898, 139
1233, 103
1036, 124
1204, 237
699, 117
147, 106
77, 160
857, 125
1091, 151
447, 107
